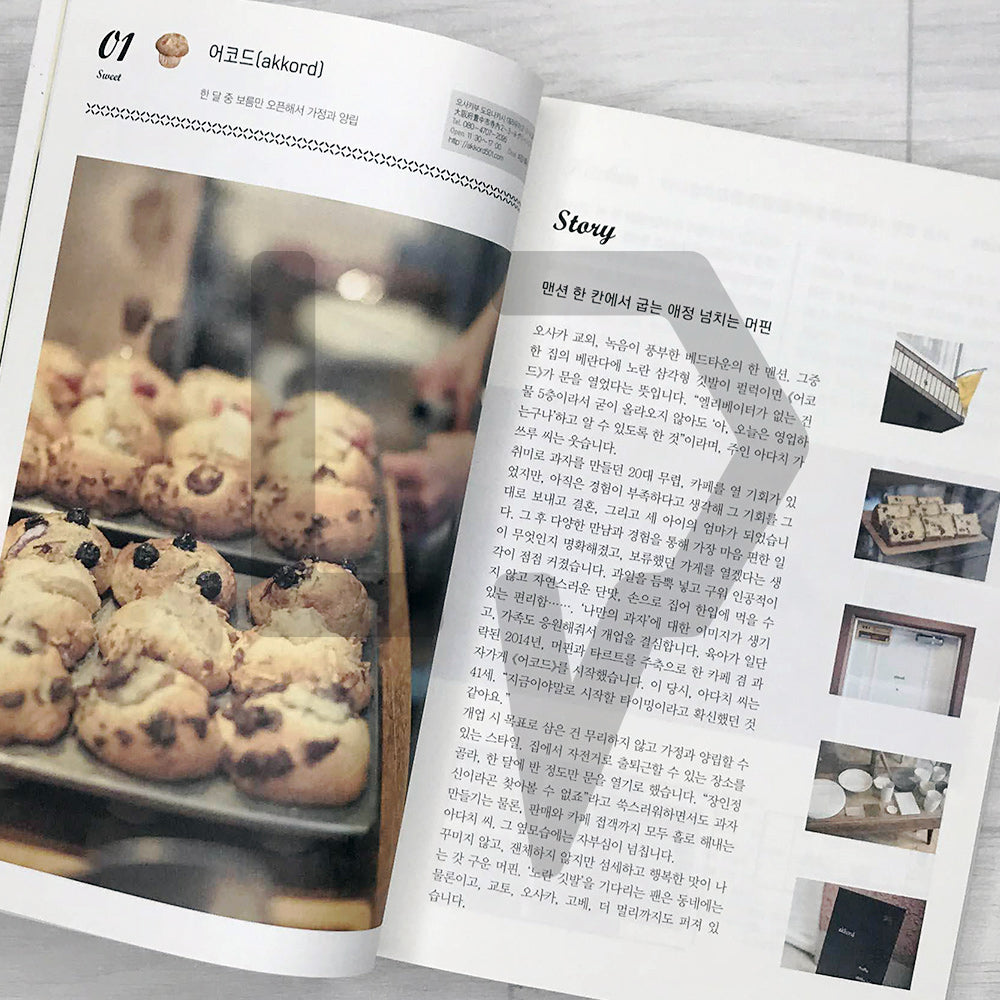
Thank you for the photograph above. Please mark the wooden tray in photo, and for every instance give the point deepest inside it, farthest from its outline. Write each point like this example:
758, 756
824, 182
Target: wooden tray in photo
902, 550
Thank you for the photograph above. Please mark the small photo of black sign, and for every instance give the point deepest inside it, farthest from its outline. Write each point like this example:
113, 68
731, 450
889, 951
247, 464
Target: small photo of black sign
861, 938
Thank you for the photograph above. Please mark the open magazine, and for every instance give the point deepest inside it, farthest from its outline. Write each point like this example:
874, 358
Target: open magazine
714, 639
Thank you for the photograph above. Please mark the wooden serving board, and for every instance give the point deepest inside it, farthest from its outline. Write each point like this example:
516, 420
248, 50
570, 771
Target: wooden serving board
901, 550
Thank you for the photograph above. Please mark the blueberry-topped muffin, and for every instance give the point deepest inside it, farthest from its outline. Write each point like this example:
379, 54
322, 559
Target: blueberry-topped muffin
63, 537
146, 569
331, 590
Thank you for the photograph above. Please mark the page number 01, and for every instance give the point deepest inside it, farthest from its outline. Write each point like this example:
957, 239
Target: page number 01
115, 42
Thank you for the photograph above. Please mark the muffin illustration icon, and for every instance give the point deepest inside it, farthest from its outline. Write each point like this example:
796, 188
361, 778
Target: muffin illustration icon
172, 48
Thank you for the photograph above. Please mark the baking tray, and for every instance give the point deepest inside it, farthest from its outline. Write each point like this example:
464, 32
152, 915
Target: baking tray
68, 764
900, 550
247, 554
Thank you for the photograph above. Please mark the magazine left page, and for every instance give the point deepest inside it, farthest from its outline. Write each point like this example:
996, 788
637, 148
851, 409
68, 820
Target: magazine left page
240, 246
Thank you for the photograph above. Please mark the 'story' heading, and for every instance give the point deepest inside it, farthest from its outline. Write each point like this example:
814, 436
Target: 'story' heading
599, 230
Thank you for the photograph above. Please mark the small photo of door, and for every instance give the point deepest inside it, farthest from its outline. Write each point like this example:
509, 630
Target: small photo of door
903, 661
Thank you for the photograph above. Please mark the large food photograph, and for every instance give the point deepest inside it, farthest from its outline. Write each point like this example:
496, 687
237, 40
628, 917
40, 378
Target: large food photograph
229, 542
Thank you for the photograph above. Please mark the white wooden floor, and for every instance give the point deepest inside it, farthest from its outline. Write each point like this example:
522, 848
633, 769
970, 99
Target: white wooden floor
908, 79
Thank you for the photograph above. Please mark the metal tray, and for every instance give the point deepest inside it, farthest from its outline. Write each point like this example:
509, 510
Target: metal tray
69, 764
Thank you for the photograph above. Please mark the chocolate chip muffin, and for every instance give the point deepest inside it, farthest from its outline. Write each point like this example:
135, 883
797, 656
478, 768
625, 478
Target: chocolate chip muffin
177, 627
334, 592
323, 520
296, 746
146, 569
68, 629
150, 720
67, 579
36, 693
57, 599
294, 648
206, 498
62, 537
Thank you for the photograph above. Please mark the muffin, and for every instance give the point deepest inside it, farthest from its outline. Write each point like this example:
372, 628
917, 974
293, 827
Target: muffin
43, 417
33, 468
332, 591
322, 519
56, 599
177, 627
296, 746
294, 648
149, 720
303, 414
62, 537
209, 392
67, 578
227, 439
151, 390
146, 569
207, 498
60, 373
325, 456
85, 472
36, 693
117, 423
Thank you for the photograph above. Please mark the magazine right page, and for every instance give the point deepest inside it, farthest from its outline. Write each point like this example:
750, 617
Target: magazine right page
714, 702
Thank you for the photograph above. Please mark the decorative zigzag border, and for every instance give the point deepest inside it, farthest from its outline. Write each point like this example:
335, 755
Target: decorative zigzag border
311, 145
